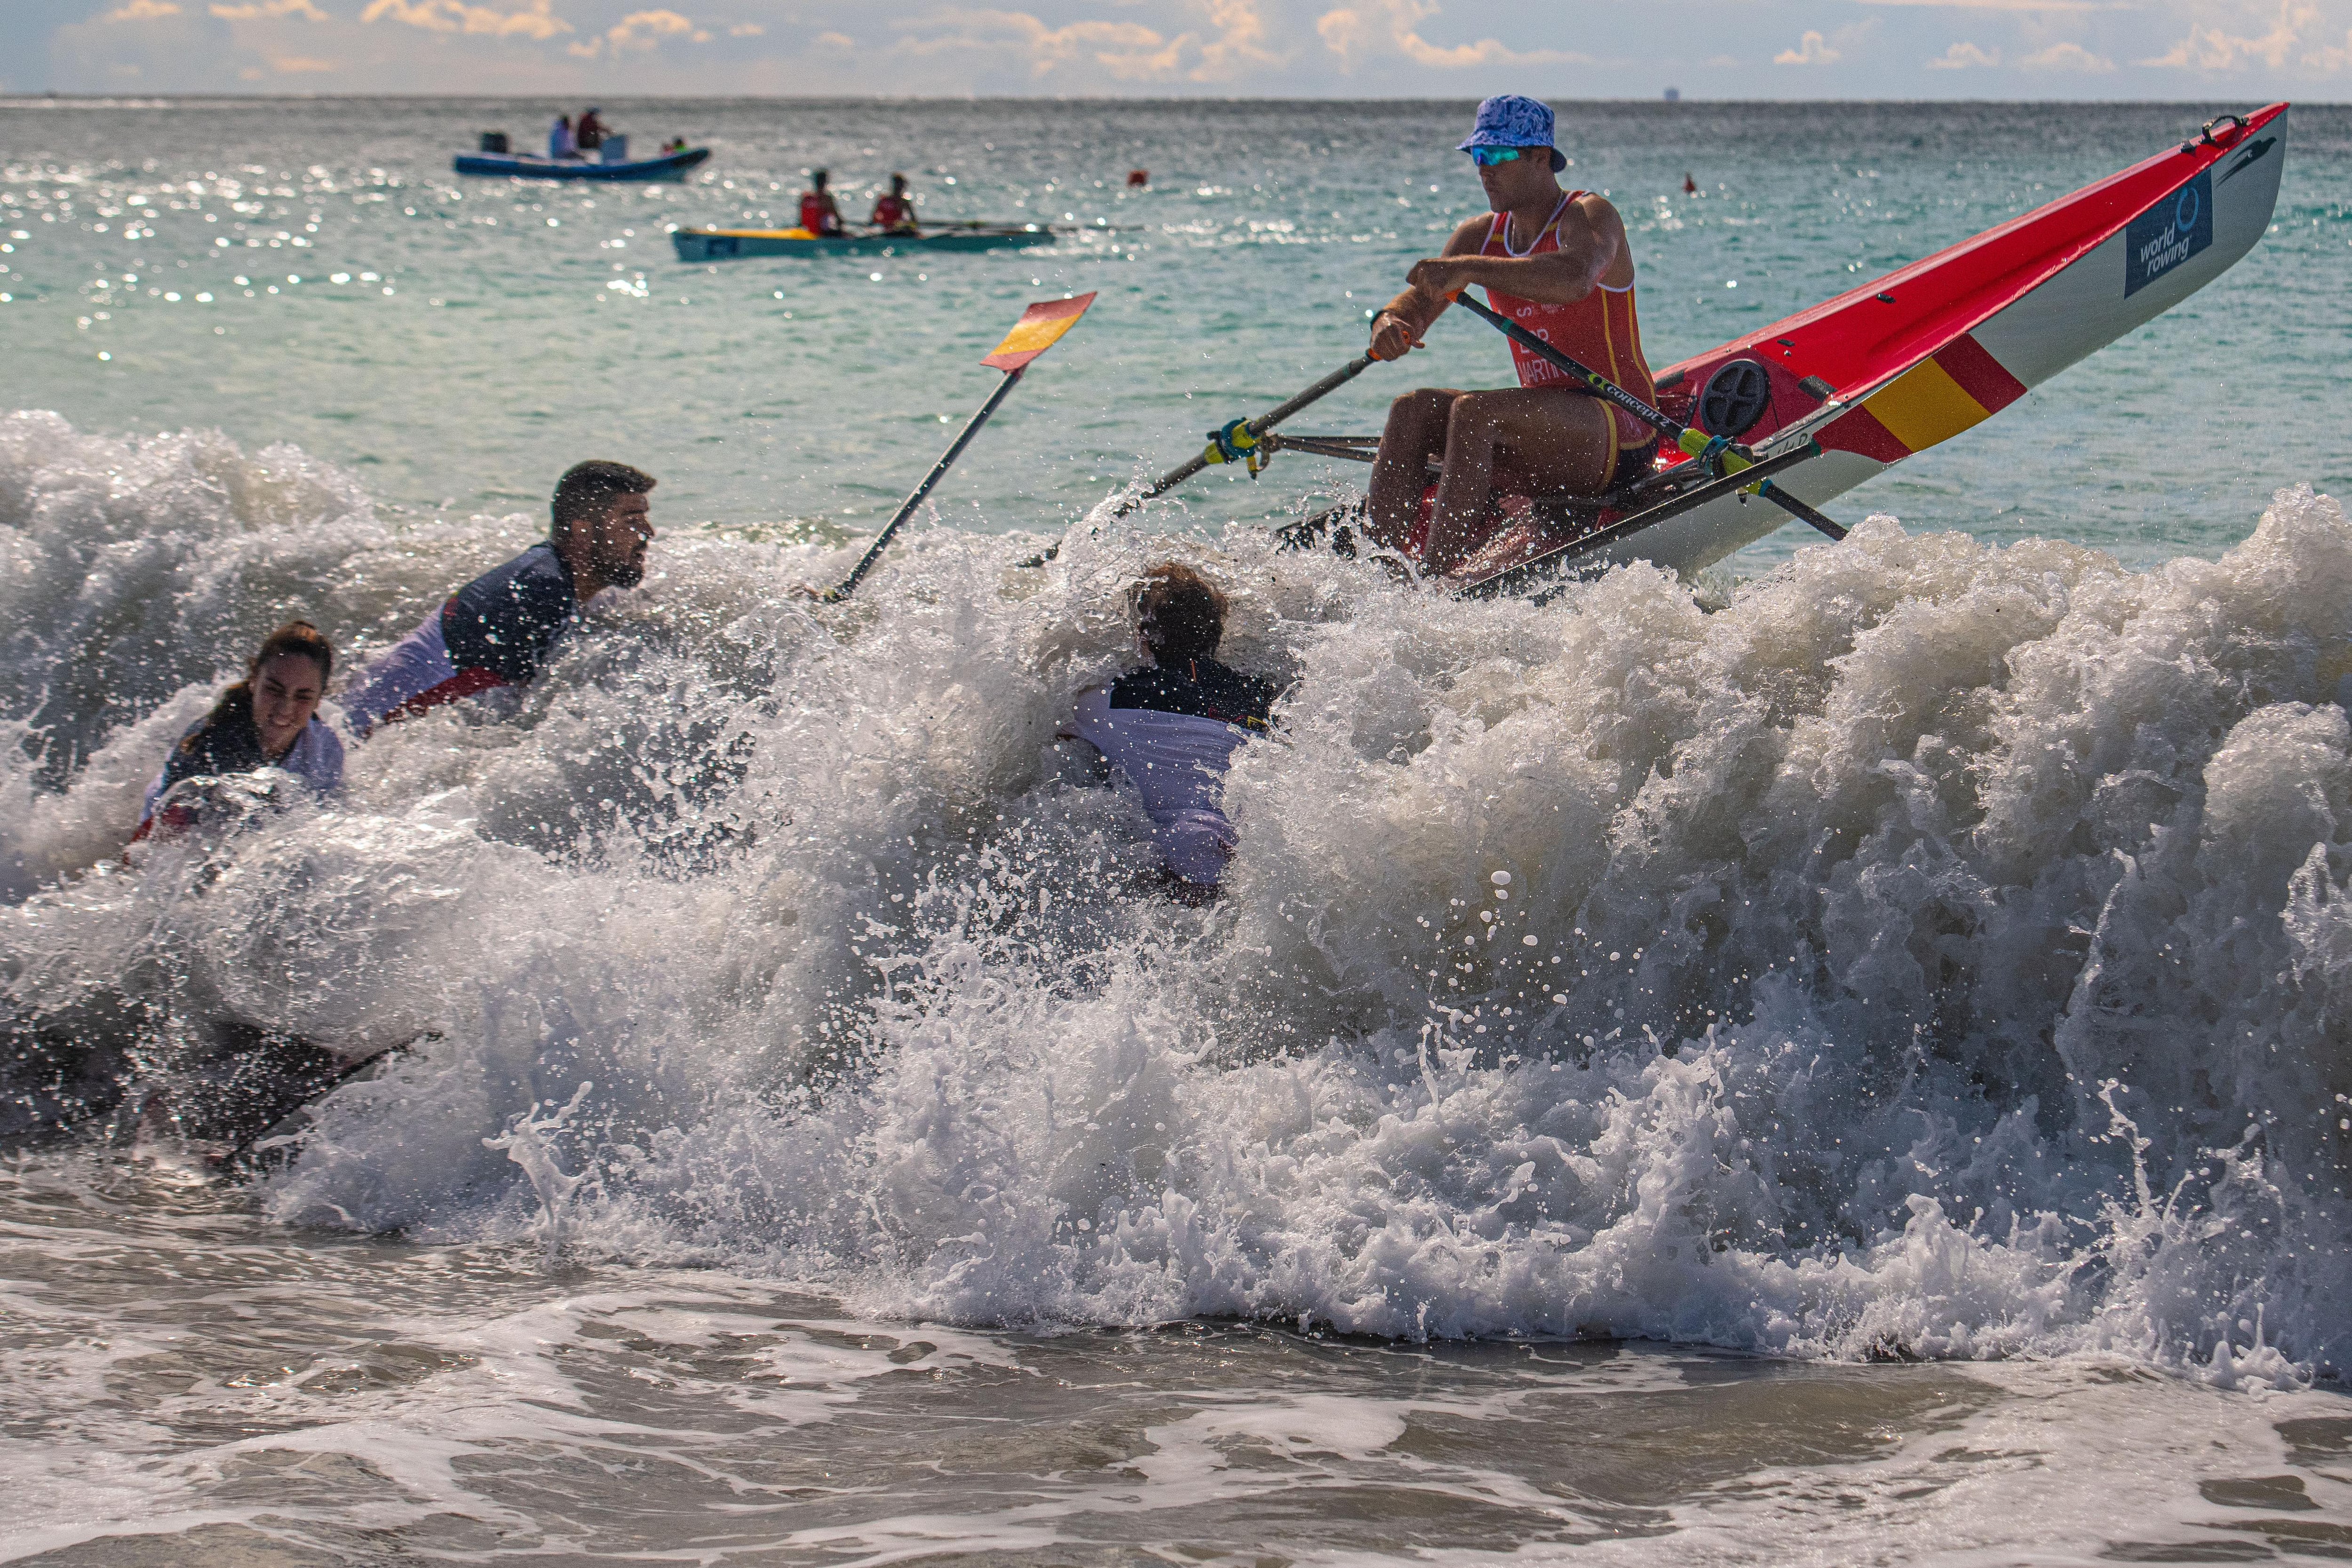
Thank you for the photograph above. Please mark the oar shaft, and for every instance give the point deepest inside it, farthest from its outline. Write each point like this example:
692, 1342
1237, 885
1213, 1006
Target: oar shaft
1592, 380
1258, 426
1552, 560
1739, 459
947, 460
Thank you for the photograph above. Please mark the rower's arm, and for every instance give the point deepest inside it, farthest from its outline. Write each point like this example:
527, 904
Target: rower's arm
1591, 243
1399, 325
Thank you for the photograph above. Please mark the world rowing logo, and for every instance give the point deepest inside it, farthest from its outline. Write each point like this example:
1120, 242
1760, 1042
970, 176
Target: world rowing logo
2175, 228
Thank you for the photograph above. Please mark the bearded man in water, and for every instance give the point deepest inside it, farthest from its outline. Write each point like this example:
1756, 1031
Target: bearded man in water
1557, 262
502, 627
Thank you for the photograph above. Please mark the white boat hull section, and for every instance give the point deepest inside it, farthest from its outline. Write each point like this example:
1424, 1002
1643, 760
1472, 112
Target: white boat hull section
2078, 310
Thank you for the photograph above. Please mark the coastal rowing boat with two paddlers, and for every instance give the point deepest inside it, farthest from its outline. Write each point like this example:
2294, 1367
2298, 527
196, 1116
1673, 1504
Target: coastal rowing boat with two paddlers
734, 245
1778, 422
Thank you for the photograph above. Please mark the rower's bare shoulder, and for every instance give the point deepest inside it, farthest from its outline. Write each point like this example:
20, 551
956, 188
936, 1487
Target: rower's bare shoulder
1599, 212
1469, 236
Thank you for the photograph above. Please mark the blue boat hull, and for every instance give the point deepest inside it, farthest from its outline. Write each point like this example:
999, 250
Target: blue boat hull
671, 166
731, 244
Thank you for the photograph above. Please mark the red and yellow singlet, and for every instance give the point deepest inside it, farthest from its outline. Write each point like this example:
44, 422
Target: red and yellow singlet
1600, 330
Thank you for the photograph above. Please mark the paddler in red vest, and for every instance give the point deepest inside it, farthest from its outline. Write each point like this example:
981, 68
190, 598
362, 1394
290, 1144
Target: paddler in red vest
1557, 262
819, 214
894, 214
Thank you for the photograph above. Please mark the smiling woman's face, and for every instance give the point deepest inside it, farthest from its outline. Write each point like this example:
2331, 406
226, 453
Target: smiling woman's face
285, 695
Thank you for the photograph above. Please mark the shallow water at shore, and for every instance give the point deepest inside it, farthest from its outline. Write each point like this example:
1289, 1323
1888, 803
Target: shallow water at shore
300, 1400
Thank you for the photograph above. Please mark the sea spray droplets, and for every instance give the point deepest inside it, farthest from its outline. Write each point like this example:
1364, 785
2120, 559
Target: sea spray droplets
1858, 886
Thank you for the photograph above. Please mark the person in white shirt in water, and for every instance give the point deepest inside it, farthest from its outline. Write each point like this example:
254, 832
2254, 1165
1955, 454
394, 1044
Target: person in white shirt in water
269, 719
1171, 728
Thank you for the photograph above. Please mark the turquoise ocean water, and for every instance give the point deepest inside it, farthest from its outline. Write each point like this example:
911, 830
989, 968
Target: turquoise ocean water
1849, 1061
486, 334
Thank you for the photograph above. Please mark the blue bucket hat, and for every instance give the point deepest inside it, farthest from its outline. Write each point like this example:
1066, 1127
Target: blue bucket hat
1511, 121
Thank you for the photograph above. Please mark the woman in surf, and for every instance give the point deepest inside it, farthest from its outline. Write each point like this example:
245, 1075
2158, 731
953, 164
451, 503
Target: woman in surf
269, 719
1172, 727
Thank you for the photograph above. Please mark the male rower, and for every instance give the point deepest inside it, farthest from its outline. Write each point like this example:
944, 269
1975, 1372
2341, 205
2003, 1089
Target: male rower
894, 214
1557, 262
498, 630
819, 214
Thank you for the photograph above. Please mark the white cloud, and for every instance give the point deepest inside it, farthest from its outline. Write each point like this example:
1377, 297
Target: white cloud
2216, 49
1128, 51
536, 21
2330, 59
647, 29
1960, 57
2066, 58
144, 11
745, 30
1812, 50
1391, 28
1239, 41
303, 65
251, 10
835, 41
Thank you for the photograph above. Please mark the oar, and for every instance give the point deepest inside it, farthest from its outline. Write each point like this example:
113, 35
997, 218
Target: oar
1237, 442
1697, 443
1040, 328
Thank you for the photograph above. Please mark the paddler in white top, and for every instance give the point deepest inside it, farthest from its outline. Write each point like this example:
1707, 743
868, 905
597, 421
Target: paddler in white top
1557, 262
1171, 728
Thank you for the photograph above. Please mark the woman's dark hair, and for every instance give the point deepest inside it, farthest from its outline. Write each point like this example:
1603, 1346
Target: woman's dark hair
299, 638
897, 181
819, 178
1179, 614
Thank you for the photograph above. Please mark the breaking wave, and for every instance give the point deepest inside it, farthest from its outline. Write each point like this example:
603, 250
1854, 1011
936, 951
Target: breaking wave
1925, 949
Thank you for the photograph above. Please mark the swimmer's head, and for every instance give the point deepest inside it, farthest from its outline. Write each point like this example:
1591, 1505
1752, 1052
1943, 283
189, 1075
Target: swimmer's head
281, 688
603, 523
1178, 615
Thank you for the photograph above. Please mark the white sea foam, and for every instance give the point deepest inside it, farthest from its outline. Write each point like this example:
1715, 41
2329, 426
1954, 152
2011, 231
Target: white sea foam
1934, 950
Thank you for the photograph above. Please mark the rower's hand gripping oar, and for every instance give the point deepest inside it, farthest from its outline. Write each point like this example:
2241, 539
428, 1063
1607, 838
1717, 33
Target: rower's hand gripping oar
1040, 328
1718, 454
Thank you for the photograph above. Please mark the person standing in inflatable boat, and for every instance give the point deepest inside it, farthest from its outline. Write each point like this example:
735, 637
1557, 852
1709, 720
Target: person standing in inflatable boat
1171, 728
1557, 262
498, 629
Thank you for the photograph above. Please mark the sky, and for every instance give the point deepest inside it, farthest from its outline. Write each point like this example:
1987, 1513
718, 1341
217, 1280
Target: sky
2233, 50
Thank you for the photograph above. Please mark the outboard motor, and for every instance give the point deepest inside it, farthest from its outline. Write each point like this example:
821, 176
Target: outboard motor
494, 142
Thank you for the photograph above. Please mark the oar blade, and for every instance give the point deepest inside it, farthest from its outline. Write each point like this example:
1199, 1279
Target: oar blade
1040, 328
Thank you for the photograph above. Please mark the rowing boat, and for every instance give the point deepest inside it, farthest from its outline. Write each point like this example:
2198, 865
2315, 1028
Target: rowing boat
525, 166
730, 245
1830, 397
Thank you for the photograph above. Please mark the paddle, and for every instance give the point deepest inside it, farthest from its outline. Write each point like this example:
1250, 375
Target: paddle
1040, 328
1710, 449
1237, 442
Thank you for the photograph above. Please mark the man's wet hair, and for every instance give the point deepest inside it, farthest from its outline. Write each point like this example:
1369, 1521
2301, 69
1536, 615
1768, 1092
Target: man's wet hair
587, 488
1180, 615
